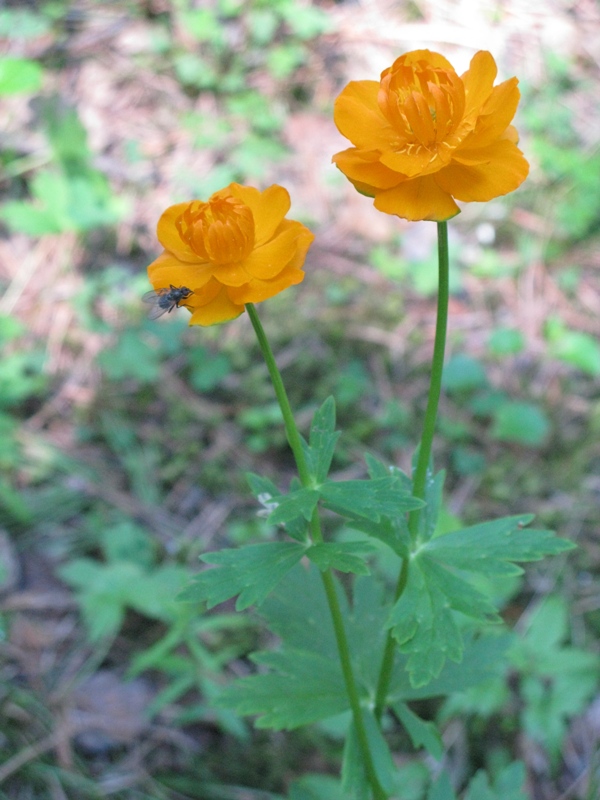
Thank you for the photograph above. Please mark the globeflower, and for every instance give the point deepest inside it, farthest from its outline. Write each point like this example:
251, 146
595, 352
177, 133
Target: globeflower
233, 249
425, 137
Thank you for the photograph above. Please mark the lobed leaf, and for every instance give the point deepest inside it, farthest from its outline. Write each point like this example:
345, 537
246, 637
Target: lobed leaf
483, 658
300, 503
322, 440
370, 499
262, 488
292, 694
489, 547
422, 619
343, 556
508, 785
302, 688
424, 626
251, 572
421, 733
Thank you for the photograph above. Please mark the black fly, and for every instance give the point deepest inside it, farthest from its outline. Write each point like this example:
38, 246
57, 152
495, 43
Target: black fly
165, 300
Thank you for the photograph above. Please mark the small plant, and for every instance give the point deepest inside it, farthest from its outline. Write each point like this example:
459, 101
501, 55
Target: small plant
378, 597
69, 194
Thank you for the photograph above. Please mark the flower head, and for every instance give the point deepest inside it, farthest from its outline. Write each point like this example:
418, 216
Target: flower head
424, 136
233, 249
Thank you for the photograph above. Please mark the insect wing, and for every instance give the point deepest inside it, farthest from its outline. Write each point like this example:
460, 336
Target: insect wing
157, 301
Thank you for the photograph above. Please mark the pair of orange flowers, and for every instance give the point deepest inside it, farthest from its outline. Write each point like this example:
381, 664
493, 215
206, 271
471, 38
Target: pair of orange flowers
423, 137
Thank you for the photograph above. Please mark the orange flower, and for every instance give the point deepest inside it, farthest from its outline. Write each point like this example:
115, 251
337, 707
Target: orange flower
423, 136
234, 249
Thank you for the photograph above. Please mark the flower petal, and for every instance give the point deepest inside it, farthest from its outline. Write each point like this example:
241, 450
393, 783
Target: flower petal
511, 134
359, 118
479, 81
417, 199
496, 114
435, 60
220, 308
267, 261
256, 290
169, 237
411, 163
231, 274
364, 167
167, 270
268, 207
492, 171
303, 242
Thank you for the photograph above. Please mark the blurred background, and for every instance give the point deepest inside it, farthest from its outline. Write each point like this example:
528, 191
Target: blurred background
124, 442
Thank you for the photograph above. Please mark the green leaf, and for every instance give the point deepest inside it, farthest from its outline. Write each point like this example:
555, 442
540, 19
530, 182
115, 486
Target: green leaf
298, 613
194, 71
353, 771
262, 488
463, 374
557, 681
506, 342
393, 532
377, 469
434, 492
524, 423
489, 547
441, 789
483, 658
508, 786
293, 694
269, 496
24, 217
306, 22
67, 135
21, 376
343, 556
421, 733
573, 347
422, 619
65, 201
317, 787
282, 60
460, 594
300, 503
322, 441
251, 572
207, 370
80, 572
154, 595
19, 76
104, 592
424, 625
126, 541
370, 499
303, 688
354, 775
132, 357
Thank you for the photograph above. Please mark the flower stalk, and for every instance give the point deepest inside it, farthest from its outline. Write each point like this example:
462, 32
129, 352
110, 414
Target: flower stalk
295, 443
421, 470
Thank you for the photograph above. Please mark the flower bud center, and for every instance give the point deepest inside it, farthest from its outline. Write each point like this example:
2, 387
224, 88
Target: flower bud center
424, 104
221, 230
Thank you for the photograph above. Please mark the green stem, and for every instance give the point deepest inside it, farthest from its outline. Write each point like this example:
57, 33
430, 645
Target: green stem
437, 367
387, 662
291, 431
420, 474
337, 619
